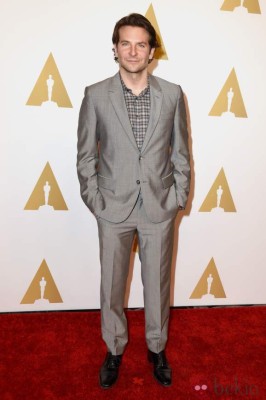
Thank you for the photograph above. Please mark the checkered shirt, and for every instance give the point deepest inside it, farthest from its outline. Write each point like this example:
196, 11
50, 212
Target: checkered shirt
138, 108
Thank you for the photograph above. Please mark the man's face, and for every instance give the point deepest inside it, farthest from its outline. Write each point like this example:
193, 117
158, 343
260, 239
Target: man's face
133, 49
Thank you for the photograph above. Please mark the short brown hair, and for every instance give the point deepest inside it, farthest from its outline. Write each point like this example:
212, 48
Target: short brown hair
136, 20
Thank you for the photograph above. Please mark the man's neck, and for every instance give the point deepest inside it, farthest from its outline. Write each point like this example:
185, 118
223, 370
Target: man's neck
136, 82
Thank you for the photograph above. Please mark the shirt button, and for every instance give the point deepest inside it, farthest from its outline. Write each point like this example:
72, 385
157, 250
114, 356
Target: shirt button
138, 182
140, 158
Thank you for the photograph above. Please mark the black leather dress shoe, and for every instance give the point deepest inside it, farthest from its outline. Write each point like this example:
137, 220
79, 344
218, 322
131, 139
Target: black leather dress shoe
109, 370
162, 371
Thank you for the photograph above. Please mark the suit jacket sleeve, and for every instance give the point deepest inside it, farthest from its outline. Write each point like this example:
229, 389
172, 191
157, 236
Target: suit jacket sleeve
180, 152
87, 157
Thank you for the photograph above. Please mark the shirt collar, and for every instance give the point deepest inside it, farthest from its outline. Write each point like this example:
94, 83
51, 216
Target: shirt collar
126, 89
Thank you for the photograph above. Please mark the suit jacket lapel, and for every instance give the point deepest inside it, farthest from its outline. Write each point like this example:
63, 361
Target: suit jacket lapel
117, 98
155, 111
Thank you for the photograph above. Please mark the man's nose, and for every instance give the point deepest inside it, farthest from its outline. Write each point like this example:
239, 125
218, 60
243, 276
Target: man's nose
133, 50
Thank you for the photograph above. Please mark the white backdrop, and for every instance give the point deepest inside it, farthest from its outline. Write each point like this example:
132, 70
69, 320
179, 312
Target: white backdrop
209, 50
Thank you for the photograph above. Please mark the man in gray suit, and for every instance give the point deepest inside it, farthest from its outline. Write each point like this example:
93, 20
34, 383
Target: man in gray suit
134, 173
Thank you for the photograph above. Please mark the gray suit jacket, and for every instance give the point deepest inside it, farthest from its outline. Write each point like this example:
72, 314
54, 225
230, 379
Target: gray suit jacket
112, 170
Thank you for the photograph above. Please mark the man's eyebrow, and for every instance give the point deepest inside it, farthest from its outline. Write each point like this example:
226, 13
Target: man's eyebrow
128, 41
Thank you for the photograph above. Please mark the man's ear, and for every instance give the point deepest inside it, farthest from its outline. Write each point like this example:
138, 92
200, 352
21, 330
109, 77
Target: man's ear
151, 54
115, 50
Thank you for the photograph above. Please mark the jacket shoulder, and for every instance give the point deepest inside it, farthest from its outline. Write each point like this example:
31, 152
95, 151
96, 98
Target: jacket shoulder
167, 85
98, 88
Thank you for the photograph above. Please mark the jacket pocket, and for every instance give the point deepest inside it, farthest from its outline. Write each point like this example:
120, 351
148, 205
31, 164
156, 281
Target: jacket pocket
106, 183
168, 180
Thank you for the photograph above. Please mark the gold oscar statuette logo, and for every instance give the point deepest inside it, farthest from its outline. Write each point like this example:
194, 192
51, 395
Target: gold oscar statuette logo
209, 286
46, 195
229, 103
42, 290
160, 53
49, 90
242, 6
219, 198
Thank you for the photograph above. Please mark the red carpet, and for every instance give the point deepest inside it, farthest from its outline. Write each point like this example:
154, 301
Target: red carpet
215, 353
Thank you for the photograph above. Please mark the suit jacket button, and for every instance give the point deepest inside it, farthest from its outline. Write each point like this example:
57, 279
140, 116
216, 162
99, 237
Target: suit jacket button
138, 182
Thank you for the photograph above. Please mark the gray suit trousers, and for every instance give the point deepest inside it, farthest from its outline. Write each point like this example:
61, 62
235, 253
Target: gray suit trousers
155, 251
